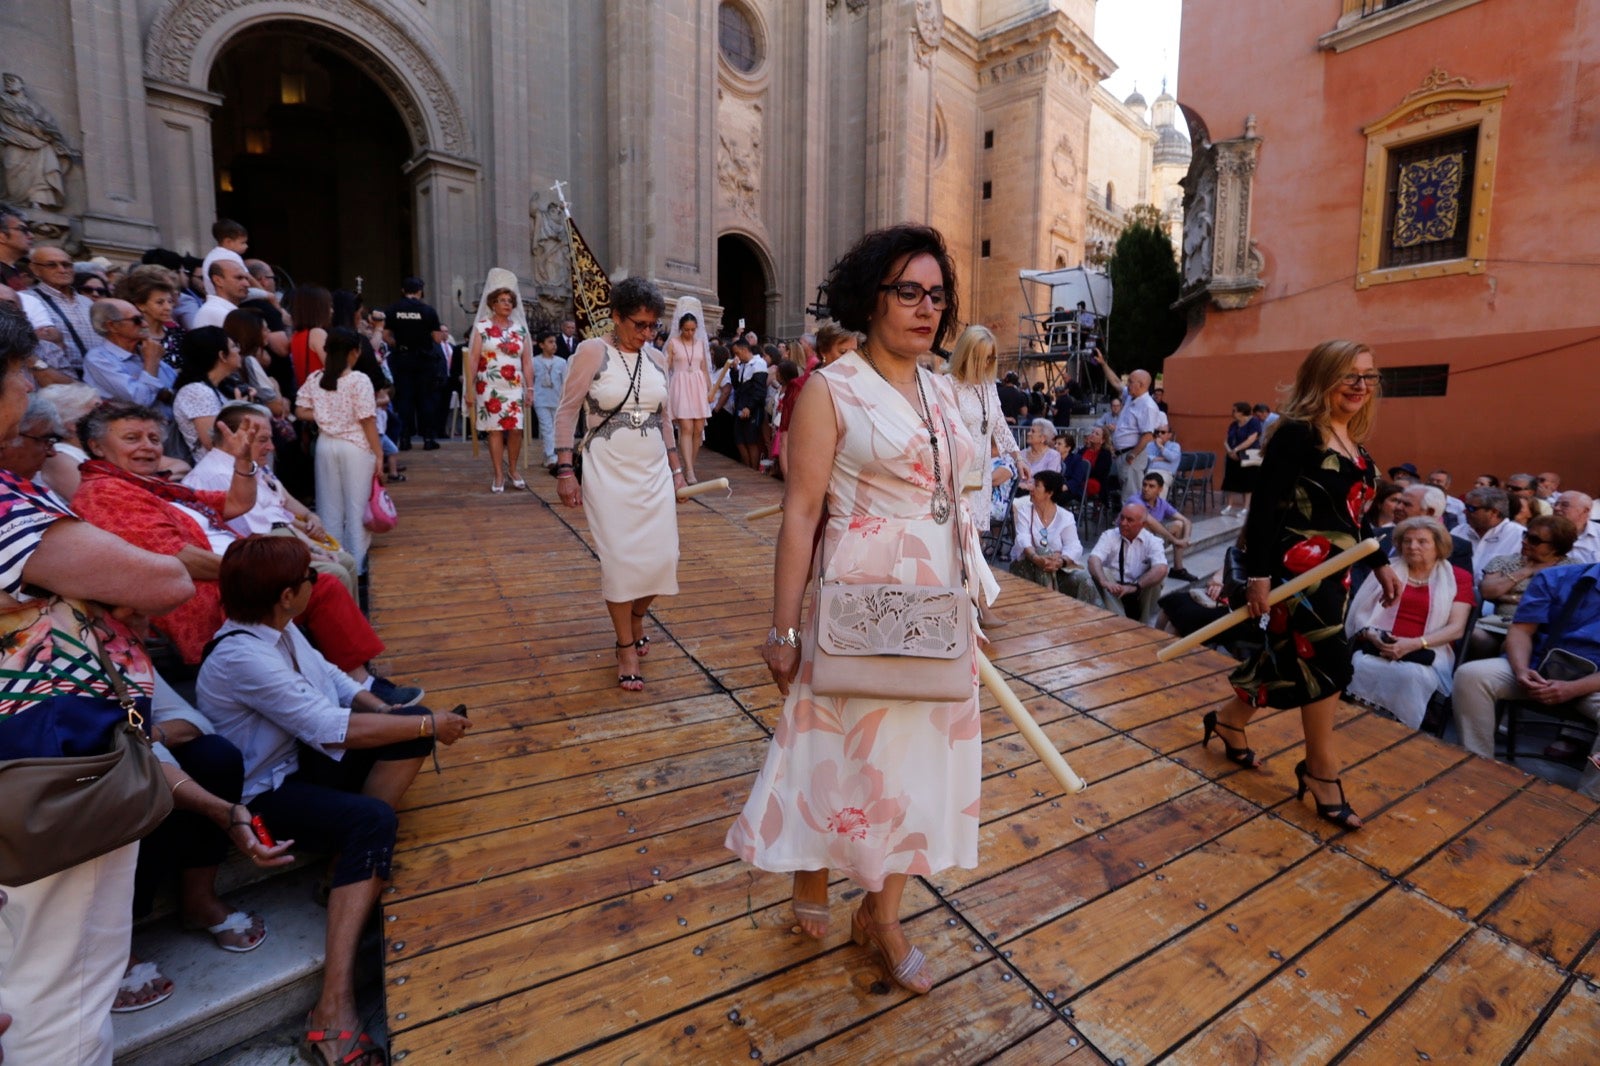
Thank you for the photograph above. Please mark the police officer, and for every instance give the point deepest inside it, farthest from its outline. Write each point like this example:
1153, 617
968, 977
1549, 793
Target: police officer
412, 331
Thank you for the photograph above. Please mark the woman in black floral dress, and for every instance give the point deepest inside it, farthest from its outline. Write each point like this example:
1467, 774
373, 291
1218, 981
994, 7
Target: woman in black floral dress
1310, 503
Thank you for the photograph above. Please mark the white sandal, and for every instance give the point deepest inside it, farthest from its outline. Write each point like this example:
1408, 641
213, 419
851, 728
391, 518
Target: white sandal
237, 922
139, 977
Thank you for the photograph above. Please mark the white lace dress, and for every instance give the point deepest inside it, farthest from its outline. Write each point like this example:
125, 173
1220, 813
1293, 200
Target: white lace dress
980, 412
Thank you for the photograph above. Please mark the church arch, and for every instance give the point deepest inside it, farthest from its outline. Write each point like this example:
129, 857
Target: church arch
746, 285
389, 43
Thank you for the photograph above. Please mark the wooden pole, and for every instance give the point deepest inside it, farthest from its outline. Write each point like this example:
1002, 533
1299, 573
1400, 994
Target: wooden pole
700, 488
1025, 724
1289, 588
763, 512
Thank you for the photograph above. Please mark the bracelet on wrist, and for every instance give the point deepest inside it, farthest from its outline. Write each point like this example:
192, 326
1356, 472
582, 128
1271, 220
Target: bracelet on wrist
246, 473
789, 637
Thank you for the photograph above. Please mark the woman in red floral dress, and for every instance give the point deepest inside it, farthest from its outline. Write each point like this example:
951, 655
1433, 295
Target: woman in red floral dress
500, 351
1310, 503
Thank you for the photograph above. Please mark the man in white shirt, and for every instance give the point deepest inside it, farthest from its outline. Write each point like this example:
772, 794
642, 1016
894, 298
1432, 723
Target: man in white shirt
1578, 508
230, 283
1135, 428
1128, 564
57, 313
276, 513
1488, 531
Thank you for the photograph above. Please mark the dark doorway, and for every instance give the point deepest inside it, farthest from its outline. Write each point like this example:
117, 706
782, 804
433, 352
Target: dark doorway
741, 286
308, 153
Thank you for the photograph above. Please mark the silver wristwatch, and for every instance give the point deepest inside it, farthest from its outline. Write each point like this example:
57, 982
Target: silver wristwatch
790, 636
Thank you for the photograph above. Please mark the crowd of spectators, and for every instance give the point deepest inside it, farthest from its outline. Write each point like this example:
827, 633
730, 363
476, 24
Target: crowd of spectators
190, 451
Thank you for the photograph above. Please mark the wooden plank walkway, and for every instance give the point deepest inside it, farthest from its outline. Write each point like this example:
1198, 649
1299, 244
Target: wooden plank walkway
561, 891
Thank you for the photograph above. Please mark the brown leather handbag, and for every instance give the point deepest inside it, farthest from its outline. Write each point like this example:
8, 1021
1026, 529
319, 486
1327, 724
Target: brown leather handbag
896, 642
64, 809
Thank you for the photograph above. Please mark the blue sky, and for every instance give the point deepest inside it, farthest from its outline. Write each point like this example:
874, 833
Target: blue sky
1142, 37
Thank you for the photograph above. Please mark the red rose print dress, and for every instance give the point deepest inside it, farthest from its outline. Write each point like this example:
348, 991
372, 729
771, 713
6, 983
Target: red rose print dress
499, 376
872, 787
1310, 503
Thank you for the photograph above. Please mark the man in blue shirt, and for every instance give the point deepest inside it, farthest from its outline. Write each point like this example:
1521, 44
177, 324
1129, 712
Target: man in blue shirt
1560, 612
122, 366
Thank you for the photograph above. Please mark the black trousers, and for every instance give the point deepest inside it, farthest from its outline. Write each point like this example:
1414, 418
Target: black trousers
186, 840
416, 396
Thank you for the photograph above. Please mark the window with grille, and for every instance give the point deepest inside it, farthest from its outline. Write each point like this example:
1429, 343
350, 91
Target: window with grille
1428, 199
1432, 379
736, 36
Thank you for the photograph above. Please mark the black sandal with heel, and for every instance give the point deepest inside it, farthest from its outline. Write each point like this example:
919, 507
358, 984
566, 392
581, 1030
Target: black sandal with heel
1341, 813
625, 680
1242, 756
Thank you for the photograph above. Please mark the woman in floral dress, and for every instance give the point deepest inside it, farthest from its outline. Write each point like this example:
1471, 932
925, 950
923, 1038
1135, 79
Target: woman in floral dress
1310, 502
500, 351
880, 790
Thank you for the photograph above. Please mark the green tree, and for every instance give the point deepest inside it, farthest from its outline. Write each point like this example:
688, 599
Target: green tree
1144, 328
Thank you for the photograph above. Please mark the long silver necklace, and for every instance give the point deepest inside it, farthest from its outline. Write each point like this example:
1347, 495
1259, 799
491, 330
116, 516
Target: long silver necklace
940, 507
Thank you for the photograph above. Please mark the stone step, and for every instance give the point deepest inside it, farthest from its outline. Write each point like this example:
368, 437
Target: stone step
226, 998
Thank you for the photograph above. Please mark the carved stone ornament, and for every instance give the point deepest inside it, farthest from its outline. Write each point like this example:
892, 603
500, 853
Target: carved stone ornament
33, 149
1219, 260
739, 141
358, 29
1435, 80
929, 30
1064, 161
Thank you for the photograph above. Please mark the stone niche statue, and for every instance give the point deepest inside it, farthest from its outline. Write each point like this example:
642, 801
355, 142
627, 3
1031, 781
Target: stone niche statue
552, 277
33, 150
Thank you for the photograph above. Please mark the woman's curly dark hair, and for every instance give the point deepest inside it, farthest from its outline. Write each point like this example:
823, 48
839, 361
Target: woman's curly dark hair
852, 289
636, 294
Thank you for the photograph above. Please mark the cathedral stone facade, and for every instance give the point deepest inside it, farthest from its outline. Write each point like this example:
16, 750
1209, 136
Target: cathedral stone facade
729, 149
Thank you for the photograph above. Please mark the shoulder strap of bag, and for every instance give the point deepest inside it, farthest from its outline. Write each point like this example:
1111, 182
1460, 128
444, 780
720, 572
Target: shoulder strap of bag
62, 318
633, 383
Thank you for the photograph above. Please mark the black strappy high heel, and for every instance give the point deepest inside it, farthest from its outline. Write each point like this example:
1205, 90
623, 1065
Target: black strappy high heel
1338, 813
624, 680
1242, 756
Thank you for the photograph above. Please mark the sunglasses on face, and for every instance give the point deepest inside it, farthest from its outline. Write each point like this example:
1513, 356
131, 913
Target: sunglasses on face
1529, 538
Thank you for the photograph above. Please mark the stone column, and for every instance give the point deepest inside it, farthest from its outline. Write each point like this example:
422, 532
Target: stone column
445, 192
118, 216
660, 124
178, 127
513, 77
902, 36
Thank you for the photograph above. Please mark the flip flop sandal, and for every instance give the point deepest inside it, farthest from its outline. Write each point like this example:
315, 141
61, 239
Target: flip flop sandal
351, 1046
138, 978
238, 922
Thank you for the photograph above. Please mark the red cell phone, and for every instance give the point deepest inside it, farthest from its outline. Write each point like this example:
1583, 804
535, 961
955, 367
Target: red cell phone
259, 828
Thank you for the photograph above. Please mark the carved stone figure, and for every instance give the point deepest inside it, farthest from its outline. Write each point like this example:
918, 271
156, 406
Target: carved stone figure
33, 149
549, 247
929, 30
1065, 162
1199, 221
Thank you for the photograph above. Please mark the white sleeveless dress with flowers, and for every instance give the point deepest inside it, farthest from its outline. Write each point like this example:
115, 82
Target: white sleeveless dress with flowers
872, 787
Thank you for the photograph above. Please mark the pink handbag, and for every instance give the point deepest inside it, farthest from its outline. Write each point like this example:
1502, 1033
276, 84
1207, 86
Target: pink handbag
381, 515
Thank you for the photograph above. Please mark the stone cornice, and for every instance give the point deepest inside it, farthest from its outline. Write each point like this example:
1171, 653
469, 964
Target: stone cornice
1052, 32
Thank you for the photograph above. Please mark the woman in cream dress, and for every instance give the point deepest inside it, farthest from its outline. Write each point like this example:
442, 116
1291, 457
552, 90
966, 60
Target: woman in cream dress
630, 466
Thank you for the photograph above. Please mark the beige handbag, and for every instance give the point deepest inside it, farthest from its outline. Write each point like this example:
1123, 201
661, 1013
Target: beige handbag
896, 642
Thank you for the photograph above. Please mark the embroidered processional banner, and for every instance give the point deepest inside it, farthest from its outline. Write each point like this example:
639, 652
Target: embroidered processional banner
1429, 202
591, 289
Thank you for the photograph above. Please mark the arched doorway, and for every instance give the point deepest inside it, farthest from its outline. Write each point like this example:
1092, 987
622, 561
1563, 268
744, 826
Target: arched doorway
741, 285
309, 154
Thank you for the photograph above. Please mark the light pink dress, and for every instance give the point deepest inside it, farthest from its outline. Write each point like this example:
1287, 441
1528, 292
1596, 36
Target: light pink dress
689, 377
871, 787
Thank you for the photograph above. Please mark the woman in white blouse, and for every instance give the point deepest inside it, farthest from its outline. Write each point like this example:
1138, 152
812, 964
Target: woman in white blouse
971, 371
1047, 550
342, 403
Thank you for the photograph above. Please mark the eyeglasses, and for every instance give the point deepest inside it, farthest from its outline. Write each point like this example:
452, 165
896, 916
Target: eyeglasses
49, 440
1529, 538
53, 264
94, 290
309, 579
1361, 381
647, 325
1163, 432
114, 321
910, 294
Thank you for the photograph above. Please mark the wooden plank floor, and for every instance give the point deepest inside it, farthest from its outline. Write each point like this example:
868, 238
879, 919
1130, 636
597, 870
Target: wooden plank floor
561, 891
